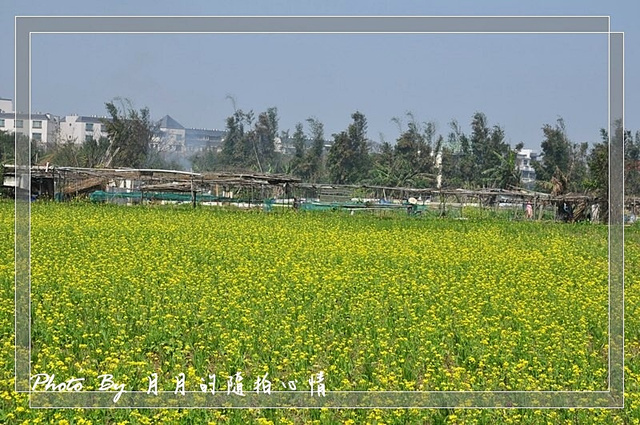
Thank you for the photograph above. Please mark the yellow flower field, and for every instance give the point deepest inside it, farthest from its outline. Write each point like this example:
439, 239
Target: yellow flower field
376, 303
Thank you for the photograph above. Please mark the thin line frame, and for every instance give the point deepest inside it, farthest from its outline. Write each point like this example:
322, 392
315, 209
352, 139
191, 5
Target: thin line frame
25, 26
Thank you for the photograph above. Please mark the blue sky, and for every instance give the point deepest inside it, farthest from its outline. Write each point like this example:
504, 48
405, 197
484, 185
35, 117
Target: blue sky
519, 81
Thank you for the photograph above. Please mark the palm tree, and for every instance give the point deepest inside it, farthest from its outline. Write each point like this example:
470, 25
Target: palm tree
506, 174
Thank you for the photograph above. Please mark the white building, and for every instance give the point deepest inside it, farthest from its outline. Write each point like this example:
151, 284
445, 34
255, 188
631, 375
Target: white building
171, 136
524, 163
78, 129
6, 105
42, 128
174, 138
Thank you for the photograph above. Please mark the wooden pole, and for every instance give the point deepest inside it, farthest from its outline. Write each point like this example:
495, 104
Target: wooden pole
193, 194
541, 210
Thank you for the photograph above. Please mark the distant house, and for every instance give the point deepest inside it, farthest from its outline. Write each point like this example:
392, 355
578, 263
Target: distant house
285, 146
170, 136
6, 105
41, 128
79, 129
198, 139
524, 163
173, 137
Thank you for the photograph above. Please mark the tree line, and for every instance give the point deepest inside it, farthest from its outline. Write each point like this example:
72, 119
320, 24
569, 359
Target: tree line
421, 157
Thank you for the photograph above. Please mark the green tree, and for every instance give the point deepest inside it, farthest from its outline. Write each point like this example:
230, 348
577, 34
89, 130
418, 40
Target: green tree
598, 162
64, 154
130, 133
314, 157
90, 154
206, 160
234, 150
265, 133
348, 158
93, 152
298, 165
7, 147
412, 161
632, 164
488, 148
357, 132
7, 150
249, 145
341, 160
479, 142
505, 175
458, 162
577, 172
385, 167
556, 153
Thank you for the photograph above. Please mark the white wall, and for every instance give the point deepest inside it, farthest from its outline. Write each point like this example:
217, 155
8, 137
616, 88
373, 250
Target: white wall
42, 128
74, 129
6, 105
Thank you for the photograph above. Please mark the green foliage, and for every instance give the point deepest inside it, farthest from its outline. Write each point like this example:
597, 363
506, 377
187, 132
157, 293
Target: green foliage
385, 167
411, 162
7, 150
266, 132
599, 166
65, 154
233, 149
7, 147
160, 160
458, 162
480, 159
556, 150
632, 164
207, 160
505, 175
577, 173
91, 153
252, 149
489, 149
130, 134
314, 157
348, 159
298, 166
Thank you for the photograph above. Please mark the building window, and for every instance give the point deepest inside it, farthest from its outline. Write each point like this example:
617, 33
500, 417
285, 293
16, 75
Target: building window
1, 122
89, 126
37, 137
88, 138
19, 123
37, 124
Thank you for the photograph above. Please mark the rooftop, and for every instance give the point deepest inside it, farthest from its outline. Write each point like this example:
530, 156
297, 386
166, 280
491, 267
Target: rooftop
168, 122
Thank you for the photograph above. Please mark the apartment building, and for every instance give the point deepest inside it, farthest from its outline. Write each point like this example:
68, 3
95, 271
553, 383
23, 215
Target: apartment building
79, 129
42, 128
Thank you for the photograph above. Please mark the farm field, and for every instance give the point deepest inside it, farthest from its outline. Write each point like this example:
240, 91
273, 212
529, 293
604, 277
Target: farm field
376, 303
